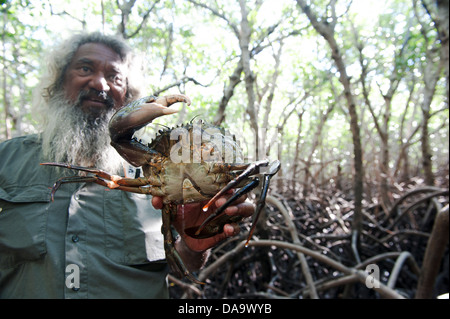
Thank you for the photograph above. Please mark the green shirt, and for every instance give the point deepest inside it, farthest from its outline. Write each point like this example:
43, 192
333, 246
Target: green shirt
90, 242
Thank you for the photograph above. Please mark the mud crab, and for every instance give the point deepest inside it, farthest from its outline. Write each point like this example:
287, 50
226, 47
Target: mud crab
211, 163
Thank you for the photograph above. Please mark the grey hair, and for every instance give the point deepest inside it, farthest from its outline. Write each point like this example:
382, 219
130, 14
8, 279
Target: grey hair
60, 58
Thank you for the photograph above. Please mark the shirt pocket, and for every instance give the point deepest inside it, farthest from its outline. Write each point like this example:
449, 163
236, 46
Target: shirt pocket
133, 230
23, 225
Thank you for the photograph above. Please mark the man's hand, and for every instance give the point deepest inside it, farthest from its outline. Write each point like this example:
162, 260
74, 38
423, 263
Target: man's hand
192, 215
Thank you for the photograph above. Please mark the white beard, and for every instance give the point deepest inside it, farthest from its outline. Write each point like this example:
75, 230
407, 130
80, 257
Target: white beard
74, 137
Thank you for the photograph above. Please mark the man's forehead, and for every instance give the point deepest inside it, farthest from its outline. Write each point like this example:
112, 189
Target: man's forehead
97, 53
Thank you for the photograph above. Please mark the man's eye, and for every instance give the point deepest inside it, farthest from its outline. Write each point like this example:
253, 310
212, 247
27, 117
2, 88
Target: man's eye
85, 69
116, 79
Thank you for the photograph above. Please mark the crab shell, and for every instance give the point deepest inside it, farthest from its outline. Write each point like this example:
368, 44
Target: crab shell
185, 164
193, 162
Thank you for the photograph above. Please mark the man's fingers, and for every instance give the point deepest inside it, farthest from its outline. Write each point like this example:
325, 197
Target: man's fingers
222, 200
157, 202
231, 230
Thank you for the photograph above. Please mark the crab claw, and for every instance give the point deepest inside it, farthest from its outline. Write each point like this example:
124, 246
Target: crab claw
132, 117
168, 100
139, 113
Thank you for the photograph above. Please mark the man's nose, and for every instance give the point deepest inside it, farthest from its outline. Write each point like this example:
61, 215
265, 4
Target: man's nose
99, 83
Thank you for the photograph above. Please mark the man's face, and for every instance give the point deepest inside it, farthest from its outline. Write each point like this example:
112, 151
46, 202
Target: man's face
99, 75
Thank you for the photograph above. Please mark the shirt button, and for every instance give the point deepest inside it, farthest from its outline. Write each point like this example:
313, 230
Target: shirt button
75, 238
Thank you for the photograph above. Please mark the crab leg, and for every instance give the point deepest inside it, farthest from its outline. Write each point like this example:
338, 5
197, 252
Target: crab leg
71, 179
273, 169
242, 191
105, 179
173, 257
233, 183
84, 169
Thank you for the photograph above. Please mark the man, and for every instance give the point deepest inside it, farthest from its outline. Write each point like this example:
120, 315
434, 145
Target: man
90, 242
